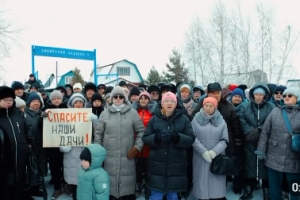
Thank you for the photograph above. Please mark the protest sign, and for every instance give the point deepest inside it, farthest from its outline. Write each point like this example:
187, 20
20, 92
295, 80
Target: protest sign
67, 127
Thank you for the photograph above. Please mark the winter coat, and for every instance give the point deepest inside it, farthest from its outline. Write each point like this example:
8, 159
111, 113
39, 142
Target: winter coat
145, 115
199, 87
54, 152
231, 118
211, 134
167, 161
277, 103
71, 161
252, 117
34, 82
238, 107
115, 132
18, 134
275, 140
188, 103
94, 183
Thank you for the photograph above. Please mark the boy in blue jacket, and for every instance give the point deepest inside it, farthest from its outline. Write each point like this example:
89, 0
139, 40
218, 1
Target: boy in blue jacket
93, 180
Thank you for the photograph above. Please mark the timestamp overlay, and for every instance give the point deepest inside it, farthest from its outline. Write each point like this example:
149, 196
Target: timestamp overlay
294, 186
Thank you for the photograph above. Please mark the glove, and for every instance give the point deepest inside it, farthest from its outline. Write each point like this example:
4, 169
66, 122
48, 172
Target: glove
65, 149
166, 136
206, 156
175, 137
260, 155
45, 113
132, 153
212, 154
252, 135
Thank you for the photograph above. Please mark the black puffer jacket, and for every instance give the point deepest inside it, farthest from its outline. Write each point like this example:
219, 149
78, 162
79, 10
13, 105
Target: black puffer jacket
167, 161
231, 118
19, 135
252, 117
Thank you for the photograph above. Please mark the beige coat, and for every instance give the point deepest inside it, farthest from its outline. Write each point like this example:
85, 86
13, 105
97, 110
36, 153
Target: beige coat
115, 131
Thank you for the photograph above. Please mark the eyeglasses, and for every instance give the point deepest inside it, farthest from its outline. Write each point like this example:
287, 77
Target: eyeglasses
278, 93
8, 100
118, 97
287, 95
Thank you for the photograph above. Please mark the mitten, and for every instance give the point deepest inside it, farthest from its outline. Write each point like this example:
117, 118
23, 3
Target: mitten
252, 135
65, 149
212, 154
166, 136
132, 153
175, 137
260, 155
206, 156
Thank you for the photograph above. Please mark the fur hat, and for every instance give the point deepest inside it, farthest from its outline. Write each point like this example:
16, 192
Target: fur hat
76, 97
134, 91
6, 92
90, 86
153, 88
119, 91
169, 95
145, 94
122, 83
211, 100
19, 102
56, 93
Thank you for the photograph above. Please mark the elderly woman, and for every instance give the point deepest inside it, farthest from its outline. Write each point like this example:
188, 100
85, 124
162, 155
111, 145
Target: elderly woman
115, 131
275, 143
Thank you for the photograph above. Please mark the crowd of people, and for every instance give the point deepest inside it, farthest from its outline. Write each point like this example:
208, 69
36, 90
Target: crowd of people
158, 140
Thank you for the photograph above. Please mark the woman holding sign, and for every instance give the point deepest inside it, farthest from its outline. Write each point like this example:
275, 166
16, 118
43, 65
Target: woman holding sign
115, 132
71, 160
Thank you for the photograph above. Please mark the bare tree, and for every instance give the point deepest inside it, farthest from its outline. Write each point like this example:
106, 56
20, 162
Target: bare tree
219, 38
8, 36
288, 42
195, 47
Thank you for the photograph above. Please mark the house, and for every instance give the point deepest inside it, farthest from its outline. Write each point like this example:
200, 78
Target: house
61, 80
249, 78
113, 73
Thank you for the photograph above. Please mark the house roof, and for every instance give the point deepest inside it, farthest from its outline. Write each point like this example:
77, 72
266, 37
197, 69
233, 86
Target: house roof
124, 60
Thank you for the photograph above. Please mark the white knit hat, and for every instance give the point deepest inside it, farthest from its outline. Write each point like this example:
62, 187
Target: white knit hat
76, 97
77, 85
294, 91
19, 102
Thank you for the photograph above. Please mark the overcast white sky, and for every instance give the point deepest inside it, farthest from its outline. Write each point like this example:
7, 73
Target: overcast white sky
144, 32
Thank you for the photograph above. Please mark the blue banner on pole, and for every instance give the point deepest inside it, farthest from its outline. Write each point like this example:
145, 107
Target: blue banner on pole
63, 53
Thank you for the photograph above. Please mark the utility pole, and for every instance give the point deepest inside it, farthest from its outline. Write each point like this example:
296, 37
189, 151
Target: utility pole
56, 74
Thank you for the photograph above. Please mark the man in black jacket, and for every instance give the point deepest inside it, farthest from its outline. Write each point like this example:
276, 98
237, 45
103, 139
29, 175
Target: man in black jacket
19, 141
231, 118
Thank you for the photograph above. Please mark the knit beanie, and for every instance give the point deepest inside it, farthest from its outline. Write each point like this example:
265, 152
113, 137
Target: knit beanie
211, 100
86, 155
97, 96
119, 91
33, 96
294, 91
76, 97
134, 91
19, 102
17, 85
225, 92
259, 90
145, 94
56, 93
279, 88
169, 95
77, 85
237, 91
108, 95
185, 86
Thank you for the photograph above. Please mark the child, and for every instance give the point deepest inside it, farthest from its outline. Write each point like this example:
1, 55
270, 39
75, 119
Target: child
93, 180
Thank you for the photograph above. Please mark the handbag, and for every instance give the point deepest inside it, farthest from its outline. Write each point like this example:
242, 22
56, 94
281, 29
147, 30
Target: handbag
225, 165
295, 143
33, 175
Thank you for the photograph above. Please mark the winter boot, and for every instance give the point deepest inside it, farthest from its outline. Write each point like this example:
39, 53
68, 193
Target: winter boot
247, 193
285, 196
266, 194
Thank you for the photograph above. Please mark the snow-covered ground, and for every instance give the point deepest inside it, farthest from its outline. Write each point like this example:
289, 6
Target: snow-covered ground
230, 195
